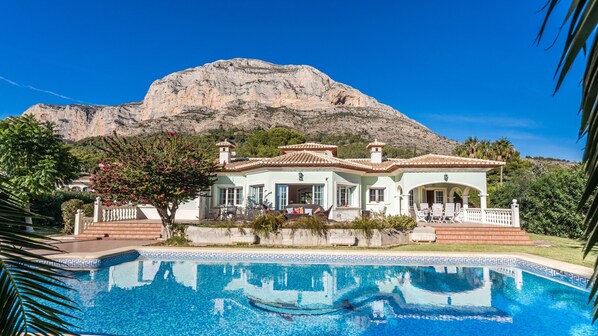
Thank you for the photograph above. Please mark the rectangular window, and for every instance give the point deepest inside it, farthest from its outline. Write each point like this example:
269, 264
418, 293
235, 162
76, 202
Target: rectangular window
376, 195
256, 194
319, 195
230, 196
438, 196
411, 198
344, 196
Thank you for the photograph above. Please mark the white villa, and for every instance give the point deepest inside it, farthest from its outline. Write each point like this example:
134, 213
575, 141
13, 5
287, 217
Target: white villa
311, 173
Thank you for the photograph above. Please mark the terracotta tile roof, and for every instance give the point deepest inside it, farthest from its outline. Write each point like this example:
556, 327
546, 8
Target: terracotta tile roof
225, 143
435, 160
311, 146
295, 159
315, 159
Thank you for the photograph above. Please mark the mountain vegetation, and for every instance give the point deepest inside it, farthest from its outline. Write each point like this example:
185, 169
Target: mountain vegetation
255, 143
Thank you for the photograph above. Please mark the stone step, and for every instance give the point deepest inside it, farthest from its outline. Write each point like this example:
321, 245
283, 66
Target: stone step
121, 236
123, 230
487, 242
482, 236
460, 228
117, 225
461, 232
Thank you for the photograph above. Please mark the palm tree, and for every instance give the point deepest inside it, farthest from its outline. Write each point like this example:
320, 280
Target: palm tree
468, 148
29, 284
503, 150
581, 20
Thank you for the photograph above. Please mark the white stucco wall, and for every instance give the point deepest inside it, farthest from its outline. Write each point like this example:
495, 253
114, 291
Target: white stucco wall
394, 186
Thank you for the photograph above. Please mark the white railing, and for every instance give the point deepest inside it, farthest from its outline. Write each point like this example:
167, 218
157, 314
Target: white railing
119, 213
473, 215
502, 217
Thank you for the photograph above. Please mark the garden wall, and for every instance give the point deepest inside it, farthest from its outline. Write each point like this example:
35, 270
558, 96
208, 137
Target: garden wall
301, 237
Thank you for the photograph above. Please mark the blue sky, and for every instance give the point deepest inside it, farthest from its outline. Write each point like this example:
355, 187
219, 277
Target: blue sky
462, 68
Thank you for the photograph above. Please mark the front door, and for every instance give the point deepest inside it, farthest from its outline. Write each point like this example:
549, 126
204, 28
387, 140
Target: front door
430, 198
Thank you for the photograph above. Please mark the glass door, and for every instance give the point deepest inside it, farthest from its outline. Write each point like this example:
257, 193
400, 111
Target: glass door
282, 196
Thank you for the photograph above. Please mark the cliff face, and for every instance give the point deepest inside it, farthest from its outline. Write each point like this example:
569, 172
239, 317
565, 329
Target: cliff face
247, 94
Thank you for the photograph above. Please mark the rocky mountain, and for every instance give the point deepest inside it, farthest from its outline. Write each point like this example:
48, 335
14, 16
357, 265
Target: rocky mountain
247, 94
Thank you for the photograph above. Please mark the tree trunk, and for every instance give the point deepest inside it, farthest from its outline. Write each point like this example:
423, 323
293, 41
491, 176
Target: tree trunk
167, 221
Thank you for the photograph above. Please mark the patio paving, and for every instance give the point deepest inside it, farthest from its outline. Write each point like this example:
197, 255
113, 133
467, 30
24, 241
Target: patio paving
89, 246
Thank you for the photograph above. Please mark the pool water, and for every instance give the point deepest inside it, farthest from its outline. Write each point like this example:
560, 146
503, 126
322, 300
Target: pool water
152, 297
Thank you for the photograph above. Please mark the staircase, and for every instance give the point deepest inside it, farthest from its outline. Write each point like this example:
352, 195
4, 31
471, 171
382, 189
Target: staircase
481, 235
131, 229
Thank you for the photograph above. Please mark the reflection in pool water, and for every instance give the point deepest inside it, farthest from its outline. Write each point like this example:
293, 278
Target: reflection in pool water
148, 297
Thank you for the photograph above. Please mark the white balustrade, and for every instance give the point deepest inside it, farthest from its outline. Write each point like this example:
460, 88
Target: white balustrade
81, 222
118, 213
501, 217
473, 215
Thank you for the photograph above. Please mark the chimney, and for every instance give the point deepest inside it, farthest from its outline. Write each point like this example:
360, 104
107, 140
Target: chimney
224, 151
376, 151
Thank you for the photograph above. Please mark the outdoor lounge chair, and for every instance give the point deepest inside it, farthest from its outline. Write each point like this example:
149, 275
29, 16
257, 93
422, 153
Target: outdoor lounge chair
437, 215
449, 212
424, 206
420, 215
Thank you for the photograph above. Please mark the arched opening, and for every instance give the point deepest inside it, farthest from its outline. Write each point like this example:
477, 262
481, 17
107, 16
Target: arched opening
442, 192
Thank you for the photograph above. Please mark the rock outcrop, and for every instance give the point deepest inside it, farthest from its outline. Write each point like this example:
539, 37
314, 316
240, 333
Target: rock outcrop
247, 94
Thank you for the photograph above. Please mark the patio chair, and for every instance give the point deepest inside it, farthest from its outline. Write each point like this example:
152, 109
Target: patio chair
420, 215
324, 214
423, 206
449, 212
437, 215
214, 214
229, 212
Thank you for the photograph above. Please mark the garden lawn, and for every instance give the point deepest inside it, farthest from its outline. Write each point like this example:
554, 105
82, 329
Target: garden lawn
563, 249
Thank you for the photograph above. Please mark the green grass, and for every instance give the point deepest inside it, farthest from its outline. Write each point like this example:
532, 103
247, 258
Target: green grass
563, 249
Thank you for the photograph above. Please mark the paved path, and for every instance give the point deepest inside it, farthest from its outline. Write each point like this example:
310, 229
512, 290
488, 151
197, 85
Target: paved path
83, 246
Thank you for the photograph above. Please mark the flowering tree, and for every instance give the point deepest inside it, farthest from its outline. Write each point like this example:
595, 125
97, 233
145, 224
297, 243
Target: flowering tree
163, 170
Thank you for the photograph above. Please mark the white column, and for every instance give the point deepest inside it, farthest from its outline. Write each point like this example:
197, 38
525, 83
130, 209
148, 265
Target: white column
465, 198
483, 206
78, 225
515, 214
97, 207
405, 205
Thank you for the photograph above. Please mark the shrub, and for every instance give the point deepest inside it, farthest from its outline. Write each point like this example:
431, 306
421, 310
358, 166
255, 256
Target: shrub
399, 223
548, 203
69, 210
176, 241
315, 224
87, 209
367, 225
49, 205
267, 223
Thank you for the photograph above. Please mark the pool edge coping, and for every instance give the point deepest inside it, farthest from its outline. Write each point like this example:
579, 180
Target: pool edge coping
542, 261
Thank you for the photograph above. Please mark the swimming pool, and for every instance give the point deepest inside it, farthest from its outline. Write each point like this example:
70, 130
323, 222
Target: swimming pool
206, 294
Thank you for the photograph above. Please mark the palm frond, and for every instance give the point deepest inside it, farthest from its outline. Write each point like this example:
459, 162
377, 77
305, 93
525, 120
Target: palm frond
582, 18
29, 284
